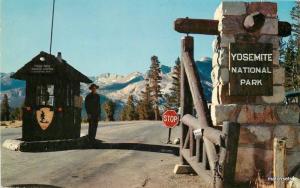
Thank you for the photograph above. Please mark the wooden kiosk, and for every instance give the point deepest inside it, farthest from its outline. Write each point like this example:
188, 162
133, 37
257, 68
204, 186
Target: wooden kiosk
52, 107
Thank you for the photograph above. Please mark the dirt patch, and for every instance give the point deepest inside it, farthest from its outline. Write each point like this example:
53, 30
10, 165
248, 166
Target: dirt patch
11, 124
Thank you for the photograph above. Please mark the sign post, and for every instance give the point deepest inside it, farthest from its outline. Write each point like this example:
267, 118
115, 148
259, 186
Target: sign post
170, 119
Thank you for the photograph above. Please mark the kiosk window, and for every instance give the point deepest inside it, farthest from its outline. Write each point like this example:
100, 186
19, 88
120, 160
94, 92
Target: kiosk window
69, 96
45, 95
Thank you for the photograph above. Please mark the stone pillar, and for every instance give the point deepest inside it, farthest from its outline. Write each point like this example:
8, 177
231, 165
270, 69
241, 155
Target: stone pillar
261, 117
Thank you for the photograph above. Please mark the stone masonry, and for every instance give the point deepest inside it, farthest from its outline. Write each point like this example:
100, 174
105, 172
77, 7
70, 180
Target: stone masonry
261, 117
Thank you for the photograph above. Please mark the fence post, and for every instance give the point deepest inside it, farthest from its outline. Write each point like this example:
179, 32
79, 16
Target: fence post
279, 162
231, 131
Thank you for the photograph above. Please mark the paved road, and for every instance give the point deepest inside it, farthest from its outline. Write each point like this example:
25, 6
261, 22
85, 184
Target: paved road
99, 167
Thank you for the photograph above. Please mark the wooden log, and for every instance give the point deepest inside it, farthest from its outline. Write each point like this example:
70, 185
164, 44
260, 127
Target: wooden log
192, 143
187, 141
196, 26
193, 78
279, 162
202, 172
204, 164
186, 104
211, 154
210, 133
232, 132
210, 27
198, 150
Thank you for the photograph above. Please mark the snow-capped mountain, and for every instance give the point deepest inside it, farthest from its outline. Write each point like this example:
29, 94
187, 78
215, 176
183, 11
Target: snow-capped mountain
113, 86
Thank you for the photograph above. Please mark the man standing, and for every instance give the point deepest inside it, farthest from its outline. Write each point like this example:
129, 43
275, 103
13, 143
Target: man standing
92, 106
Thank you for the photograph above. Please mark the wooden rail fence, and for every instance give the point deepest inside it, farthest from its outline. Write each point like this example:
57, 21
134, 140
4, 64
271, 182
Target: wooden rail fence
210, 151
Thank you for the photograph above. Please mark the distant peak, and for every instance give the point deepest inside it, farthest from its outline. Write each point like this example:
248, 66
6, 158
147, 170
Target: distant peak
205, 59
165, 69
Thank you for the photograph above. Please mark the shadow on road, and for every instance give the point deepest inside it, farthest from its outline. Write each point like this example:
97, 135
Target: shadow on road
32, 186
84, 143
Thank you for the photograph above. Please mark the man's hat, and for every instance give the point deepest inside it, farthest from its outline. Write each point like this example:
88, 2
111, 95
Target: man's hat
93, 85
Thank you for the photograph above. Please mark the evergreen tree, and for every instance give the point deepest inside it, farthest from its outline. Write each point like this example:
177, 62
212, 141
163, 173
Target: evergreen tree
128, 112
5, 109
282, 46
144, 106
16, 114
292, 52
295, 14
155, 88
173, 100
109, 108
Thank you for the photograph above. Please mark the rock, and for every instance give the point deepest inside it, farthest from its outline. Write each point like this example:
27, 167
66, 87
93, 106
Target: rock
176, 141
288, 113
250, 160
266, 8
223, 58
255, 114
221, 113
294, 183
288, 133
214, 96
278, 76
276, 57
183, 169
226, 39
270, 27
220, 75
230, 8
12, 144
274, 40
215, 60
278, 96
262, 135
231, 25
215, 45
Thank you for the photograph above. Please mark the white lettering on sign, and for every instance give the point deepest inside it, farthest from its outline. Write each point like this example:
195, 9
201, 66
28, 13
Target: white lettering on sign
171, 119
250, 82
252, 70
251, 57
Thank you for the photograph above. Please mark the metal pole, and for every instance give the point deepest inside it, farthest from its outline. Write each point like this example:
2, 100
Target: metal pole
169, 137
51, 34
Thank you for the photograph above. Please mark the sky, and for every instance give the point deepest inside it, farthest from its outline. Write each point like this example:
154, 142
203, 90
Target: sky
100, 36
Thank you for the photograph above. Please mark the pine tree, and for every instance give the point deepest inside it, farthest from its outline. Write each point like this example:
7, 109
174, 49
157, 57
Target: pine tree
5, 109
292, 52
16, 114
173, 99
295, 14
144, 106
155, 88
128, 112
109, 108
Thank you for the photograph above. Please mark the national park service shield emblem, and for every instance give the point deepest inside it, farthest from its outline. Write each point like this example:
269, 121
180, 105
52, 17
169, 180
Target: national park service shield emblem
44, 117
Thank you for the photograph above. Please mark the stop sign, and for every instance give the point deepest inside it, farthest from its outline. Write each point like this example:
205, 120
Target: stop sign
170, 118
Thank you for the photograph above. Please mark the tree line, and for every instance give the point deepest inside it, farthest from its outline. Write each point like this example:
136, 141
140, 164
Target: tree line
290, 52
151, 101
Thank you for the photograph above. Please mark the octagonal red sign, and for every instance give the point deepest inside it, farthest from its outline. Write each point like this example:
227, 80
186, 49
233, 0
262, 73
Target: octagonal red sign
170, 118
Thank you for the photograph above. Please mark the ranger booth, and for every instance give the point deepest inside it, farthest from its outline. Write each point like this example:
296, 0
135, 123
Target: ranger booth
52, 107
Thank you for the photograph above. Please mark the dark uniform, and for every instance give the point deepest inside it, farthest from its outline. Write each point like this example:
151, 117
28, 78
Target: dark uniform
92, 106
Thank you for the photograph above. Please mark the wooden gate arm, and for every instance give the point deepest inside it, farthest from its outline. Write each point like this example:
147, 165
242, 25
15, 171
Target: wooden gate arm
210, 27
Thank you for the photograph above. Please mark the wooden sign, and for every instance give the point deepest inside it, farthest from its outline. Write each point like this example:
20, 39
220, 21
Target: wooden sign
42, 68
250, 69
